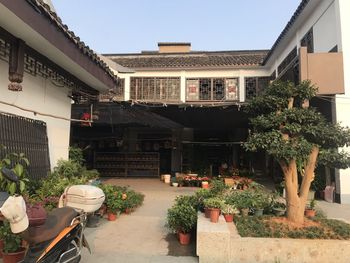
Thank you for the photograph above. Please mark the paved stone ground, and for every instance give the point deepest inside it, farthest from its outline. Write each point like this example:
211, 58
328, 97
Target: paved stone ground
335, 211
140, 236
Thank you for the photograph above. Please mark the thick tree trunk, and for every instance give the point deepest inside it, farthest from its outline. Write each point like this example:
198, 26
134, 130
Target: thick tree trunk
296, 201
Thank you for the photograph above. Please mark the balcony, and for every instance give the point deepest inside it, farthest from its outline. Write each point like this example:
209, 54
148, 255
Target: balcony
325, 70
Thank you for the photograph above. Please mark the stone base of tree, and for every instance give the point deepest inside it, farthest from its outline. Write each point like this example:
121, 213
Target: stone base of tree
221, 243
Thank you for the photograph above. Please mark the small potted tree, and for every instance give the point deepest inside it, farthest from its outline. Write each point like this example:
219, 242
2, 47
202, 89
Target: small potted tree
229, 211
214, 204
181, 219
310, 210
12, 250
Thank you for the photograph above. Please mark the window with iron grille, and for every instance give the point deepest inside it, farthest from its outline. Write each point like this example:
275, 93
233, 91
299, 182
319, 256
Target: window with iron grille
255, 85
287, 61
28, 136
308, 41
155, 88
212, 89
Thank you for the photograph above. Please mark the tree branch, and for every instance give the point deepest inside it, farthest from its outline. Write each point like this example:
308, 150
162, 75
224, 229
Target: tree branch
309, 173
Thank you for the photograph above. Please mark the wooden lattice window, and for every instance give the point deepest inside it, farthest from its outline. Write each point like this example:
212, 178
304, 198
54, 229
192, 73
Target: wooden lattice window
255, 85
212, 89
155, 88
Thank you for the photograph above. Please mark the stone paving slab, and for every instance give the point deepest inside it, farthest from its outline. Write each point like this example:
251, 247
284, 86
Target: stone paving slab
140, 236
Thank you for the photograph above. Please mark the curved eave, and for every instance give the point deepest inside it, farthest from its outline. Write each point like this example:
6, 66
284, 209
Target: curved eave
24, 22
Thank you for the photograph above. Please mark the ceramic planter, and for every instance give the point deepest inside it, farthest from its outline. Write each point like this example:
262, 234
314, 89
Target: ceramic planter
310, 213
184, 238
214, 215
259, 212
279, 211
13, 257
228, 218
111, 216
205, 185
175, 184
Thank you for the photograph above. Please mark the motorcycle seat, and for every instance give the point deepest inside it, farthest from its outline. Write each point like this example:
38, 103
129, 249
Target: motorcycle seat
56, 221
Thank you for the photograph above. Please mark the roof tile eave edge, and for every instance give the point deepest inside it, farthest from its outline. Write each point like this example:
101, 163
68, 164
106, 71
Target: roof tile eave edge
286, 29
80, 45
254, 66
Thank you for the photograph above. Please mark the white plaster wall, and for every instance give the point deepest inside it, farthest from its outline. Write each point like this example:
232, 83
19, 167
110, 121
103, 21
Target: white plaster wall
184, 74
343, 101
325, 33
40, 95
323, 19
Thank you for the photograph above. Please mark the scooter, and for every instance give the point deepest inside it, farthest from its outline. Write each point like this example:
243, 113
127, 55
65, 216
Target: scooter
60, 239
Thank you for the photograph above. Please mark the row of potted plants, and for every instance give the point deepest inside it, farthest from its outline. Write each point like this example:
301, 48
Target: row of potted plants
118, 200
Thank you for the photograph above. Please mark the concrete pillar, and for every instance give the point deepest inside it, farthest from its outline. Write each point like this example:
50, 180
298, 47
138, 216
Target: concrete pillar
176, 151
342, 101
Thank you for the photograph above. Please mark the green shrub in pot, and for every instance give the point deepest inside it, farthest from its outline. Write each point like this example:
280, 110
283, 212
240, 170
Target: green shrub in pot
214, 202
181, 218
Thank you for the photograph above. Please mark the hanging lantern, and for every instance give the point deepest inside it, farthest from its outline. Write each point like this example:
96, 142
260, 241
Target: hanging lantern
86, 118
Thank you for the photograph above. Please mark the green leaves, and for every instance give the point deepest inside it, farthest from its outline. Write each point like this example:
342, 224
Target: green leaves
303, 128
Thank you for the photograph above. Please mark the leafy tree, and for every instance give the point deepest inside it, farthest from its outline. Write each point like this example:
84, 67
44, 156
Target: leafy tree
298, 137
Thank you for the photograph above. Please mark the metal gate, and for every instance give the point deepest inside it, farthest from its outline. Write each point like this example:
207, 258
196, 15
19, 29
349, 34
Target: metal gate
23, 135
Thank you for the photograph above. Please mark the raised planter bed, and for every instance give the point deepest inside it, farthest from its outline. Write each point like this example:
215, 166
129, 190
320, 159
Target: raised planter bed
221, 243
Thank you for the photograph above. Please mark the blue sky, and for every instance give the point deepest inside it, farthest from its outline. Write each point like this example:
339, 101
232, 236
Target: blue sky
129, 26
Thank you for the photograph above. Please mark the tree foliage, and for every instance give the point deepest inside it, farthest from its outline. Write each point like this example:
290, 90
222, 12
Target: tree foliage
297, 136
272, 121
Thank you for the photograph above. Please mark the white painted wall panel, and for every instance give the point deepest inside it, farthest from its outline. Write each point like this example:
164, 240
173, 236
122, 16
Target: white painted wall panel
325, 33
43, 96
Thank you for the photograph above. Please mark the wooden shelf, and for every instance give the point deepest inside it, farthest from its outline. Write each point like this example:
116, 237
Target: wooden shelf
127, 164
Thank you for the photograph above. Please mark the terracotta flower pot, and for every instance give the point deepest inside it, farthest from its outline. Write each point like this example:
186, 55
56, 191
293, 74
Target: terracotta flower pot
214, 215
228, 218
310, 213
205, 185
207, 212
184, 238
13, 257
111, 216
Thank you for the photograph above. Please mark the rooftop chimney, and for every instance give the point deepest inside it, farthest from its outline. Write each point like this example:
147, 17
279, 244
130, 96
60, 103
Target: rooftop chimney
174, 47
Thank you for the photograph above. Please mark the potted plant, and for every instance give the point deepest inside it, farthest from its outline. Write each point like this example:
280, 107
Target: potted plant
12, 251
181, 219
243, 200
214, 204
114, 201
202, 195
279, 208
260, 200
229, 211
174, 182
310, 210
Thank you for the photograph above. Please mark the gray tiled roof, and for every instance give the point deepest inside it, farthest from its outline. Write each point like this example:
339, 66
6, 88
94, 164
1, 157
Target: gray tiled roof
45, 10
222, 59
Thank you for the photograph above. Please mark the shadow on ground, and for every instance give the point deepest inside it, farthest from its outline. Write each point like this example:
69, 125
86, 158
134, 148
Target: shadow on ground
178, 250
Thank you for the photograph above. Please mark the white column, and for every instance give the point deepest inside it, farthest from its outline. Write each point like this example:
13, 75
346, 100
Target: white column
183, 87
127, 88
342, 101
241, 87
